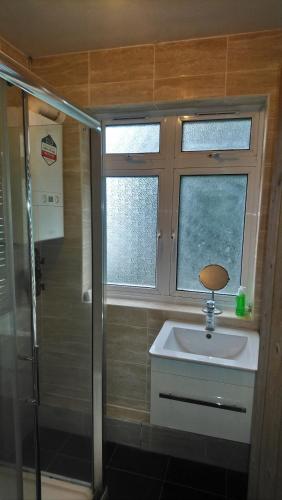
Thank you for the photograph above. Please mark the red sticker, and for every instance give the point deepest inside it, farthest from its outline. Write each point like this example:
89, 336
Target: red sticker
49, 150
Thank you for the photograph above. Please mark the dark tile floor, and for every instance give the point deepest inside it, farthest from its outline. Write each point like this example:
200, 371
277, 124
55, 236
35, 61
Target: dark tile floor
133, 474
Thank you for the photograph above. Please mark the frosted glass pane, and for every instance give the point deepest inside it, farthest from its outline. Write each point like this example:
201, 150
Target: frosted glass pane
131, 218
211, 228
129, 139
211, 135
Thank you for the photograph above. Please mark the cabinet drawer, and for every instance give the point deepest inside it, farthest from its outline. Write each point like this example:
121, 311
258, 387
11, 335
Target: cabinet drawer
202, 407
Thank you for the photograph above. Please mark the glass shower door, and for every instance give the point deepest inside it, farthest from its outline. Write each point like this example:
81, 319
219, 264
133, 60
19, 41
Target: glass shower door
18, 411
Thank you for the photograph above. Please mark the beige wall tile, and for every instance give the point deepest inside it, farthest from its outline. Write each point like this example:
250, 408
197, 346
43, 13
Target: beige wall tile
135, 316
255, 83
126, 343
255, 51
13, 52
122, 64
139, 91
63, 70
126, 382
125, 413
190, 87
77, 94
191, 57
270, 141
71, 142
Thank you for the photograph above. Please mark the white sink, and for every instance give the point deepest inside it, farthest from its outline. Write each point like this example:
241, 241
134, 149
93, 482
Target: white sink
223, 347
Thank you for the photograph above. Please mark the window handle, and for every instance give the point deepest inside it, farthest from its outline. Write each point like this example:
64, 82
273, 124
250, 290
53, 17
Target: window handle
159, 235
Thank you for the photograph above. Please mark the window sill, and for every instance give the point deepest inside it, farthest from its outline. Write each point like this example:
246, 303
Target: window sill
227, 318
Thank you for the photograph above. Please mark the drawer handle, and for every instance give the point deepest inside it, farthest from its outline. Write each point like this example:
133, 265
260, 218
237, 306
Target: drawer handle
219, 406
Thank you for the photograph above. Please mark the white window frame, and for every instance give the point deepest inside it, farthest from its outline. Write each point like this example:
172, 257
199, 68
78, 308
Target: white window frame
250, 226
248, 155
169, 165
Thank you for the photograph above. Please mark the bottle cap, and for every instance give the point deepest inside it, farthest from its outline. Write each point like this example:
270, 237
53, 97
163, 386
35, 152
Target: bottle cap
241, 290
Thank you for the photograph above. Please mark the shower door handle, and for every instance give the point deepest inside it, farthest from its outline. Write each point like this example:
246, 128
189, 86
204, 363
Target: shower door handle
35, 399
36, 390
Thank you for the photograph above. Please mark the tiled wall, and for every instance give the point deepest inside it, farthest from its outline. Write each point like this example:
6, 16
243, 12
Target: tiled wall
11, 51
237, 65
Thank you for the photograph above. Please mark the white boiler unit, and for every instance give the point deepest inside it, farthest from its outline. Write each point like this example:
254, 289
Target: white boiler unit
46, 164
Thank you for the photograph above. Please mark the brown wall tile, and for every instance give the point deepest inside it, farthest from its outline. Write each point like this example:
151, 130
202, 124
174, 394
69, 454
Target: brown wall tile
77, 94
190, 87
107, 94
63, 70
126, 343
255, 83
13, 52
191, 57
122, 64
255, 51
134, 316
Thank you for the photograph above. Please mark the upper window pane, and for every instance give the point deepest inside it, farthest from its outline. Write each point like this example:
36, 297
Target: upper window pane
212, 135
133, 139
210, 228
131, 219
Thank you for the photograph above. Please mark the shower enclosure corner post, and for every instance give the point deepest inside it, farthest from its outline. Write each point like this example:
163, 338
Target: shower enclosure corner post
97, 308
35, 348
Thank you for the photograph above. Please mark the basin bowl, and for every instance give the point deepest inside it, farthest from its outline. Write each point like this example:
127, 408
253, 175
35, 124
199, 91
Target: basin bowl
223, 347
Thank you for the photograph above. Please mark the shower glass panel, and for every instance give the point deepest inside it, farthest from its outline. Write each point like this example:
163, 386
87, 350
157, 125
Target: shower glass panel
17, 414
64, 317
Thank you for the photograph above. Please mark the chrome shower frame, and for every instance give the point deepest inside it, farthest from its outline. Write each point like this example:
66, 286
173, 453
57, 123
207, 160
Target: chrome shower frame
21, 77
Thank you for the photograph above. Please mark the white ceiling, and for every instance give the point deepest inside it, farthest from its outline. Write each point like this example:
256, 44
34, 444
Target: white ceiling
41, 27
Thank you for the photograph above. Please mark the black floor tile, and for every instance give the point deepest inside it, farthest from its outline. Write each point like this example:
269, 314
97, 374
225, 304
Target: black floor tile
46, 457
237, 485
139, 462
51, 439
78, 447
198, 476
71, 467
176, 492
125, 486
108, 451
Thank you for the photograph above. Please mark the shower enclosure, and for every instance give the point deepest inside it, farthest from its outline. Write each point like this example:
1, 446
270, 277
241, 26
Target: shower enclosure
50, 332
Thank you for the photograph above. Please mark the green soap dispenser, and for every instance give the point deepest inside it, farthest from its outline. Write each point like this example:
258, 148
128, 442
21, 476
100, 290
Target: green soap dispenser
241, 301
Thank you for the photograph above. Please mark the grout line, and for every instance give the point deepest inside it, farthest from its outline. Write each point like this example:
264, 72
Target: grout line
89, 79
154, 73
112, 455
192, 488
165, 476
226, 65
138, 474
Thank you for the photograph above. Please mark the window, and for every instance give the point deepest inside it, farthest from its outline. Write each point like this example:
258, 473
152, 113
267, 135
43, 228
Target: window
131, 219
216, 135
135, 138
181, 193
210, 228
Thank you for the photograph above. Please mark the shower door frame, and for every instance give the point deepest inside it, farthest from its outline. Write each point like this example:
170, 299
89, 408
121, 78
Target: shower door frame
29, 83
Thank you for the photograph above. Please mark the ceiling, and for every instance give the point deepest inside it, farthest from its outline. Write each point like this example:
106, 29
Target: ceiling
41, 27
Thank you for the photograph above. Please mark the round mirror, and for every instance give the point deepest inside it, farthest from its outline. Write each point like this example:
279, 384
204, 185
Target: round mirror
214, 277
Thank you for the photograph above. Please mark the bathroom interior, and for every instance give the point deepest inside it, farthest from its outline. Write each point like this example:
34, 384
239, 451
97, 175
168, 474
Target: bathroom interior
140, 269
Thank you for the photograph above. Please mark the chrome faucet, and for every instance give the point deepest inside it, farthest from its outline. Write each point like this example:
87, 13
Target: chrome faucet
210, 312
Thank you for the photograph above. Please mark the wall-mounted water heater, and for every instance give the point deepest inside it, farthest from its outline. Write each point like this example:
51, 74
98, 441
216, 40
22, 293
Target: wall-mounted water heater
46, 165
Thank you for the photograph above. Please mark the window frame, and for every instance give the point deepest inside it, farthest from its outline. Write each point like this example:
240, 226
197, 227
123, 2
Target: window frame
115, 160
168, 165
232, 155
250, 227
161, 236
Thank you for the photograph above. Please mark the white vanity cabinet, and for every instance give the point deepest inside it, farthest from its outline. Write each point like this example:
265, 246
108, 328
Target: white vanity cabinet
202, 399
194, 391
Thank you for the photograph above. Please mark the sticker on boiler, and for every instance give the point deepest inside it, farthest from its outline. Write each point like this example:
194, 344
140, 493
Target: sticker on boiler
49, 150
